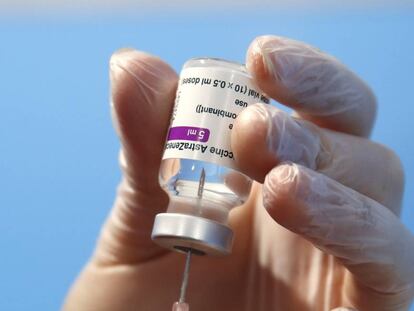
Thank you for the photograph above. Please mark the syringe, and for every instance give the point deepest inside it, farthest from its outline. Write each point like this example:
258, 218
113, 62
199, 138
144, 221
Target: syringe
181, 305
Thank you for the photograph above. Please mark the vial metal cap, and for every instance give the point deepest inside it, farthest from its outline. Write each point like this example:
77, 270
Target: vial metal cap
182, 232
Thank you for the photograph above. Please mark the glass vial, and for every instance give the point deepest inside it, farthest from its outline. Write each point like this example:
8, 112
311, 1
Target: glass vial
198, 169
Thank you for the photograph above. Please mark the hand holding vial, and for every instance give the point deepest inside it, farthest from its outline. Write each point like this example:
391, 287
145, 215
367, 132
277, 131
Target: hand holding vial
320, 228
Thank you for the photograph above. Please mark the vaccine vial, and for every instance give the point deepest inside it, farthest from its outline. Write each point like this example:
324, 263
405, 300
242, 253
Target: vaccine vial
198, 168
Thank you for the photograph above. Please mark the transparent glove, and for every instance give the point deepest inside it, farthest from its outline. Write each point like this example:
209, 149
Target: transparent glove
321, 232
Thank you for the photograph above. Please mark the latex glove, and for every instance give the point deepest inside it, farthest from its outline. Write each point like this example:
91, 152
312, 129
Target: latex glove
328, 236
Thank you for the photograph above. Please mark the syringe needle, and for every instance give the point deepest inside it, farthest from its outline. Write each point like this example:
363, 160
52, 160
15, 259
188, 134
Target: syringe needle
200, 190
201, 183
186, 273
181, 305
178, 306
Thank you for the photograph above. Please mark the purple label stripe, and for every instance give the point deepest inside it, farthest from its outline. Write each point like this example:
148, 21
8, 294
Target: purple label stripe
189, 133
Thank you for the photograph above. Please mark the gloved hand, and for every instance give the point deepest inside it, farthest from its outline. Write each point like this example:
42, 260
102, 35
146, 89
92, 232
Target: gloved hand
321, 232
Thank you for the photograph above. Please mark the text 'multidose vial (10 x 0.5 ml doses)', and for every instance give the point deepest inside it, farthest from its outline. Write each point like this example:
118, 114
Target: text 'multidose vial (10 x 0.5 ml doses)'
198, 168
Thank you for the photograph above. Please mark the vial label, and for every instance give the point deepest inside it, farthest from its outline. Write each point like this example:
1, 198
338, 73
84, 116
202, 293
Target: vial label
207, 103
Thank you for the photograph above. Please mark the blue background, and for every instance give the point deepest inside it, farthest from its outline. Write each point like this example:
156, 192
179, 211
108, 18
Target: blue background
58, 153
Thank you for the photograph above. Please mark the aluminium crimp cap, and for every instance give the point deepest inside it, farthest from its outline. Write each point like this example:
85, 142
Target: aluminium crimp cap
181, 232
